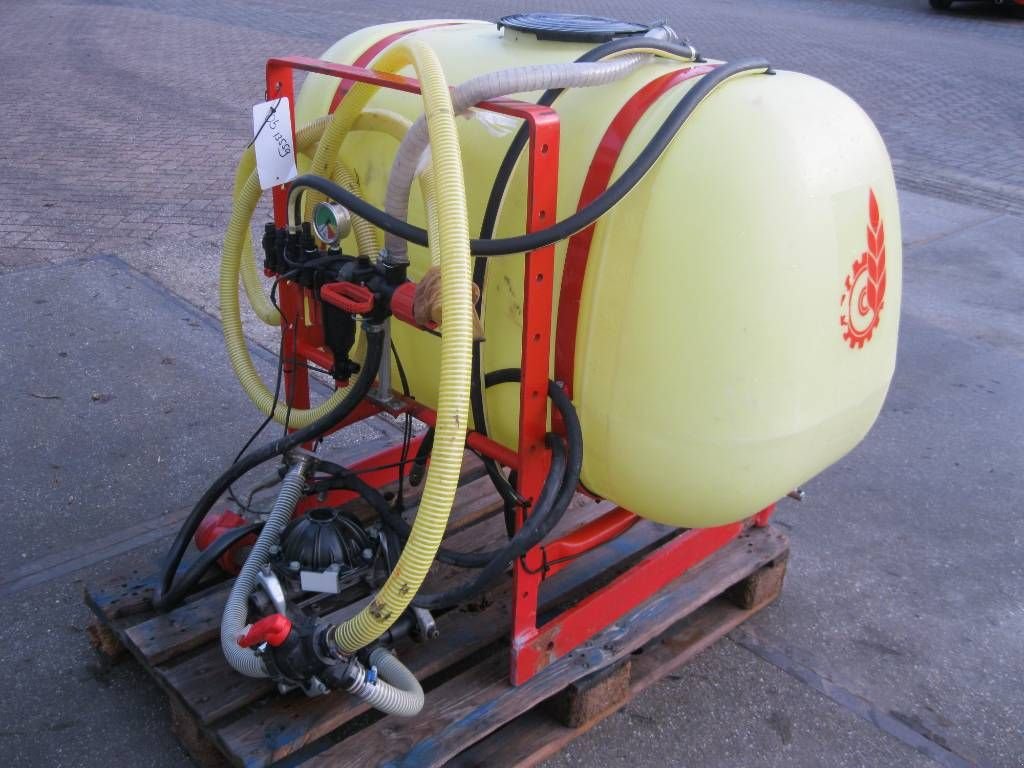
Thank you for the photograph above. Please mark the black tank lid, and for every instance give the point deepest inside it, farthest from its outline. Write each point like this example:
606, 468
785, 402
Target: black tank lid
572, 27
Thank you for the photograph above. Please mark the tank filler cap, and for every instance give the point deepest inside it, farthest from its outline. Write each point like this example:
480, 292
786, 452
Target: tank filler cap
572, 27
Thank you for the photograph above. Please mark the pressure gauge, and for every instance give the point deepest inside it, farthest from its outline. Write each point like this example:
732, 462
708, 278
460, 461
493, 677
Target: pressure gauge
332, 222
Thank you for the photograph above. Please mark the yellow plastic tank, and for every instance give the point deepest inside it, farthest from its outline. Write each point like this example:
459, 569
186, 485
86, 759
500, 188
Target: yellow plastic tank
740, 308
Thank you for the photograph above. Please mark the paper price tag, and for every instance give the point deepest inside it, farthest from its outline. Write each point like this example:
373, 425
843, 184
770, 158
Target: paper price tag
274, 143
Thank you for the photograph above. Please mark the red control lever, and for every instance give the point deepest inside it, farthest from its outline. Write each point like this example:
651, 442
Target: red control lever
354, 299
272, 629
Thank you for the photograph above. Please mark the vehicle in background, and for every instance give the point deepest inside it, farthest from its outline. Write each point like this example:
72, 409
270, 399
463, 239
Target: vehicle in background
944, 5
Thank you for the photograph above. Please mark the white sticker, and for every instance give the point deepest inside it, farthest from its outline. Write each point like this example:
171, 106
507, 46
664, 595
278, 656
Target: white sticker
274, 143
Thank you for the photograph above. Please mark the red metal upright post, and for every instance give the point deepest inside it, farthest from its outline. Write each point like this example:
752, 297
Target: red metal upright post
292, 298
538, 292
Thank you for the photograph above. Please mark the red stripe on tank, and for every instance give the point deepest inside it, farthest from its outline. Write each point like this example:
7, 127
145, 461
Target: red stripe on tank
371, 53
598, 177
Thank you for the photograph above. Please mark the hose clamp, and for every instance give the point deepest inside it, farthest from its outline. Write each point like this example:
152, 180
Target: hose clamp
301, 459
357, 675
326, 647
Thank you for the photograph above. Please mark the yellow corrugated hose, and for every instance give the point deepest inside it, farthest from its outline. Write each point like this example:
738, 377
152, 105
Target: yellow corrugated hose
452, 247
430, 204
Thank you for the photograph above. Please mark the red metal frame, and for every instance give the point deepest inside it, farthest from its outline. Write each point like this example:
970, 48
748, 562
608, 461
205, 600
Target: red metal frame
533, 646
366, 57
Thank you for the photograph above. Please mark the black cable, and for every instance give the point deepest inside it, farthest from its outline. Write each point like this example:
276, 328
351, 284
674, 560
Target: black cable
419, 464
522, 137
406, 431
355, 395
273, 407
295, 339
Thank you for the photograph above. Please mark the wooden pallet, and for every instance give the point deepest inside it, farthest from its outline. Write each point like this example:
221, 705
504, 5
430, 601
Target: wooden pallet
472, 716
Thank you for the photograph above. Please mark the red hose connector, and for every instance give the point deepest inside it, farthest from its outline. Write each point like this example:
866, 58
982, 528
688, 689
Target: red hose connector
273, 629
215, 526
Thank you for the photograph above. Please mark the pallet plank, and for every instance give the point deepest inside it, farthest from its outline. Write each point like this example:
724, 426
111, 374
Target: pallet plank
122, 595
188, 626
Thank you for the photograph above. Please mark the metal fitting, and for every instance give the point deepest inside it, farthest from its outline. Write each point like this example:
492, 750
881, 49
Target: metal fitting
272, 587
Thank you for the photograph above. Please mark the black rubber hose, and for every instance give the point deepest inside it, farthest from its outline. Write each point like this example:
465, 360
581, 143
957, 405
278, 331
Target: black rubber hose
573, 438
394, 521
505, 488
419, 464
533, 530
187, 582
537, 526
522, 137
361, 386
568, 226
558, 478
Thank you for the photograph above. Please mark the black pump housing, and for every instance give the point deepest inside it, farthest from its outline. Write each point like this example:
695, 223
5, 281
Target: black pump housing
322, 538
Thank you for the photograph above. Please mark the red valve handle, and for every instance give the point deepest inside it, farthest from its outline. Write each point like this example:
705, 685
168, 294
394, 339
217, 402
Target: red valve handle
272, 629
354, 299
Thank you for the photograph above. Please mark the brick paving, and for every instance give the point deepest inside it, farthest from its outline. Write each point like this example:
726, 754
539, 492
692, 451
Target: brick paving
123, 119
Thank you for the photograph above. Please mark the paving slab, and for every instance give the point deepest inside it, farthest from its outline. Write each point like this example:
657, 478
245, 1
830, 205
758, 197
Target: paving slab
970, 282
924, 218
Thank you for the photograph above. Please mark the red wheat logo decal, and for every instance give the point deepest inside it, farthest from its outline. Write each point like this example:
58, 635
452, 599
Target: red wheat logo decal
864, 297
